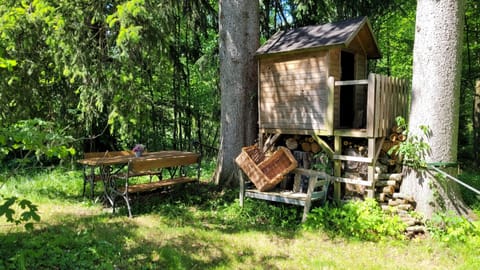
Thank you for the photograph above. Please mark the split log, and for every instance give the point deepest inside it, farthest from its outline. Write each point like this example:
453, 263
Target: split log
389, 176
385, 183
291, 143
393, 137
396, 202
306, 146
402, 137
406, 207
315, 147
405, 197
382, 197
388, 189
409, 221
416, 229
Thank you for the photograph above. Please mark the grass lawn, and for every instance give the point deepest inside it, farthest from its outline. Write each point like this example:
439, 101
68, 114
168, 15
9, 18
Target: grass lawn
193, 227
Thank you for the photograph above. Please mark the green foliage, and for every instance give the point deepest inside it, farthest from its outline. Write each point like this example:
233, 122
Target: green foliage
451, 228
258, 213
29, 211
414, 149
115, 73
363, 220
37, 136
470, 177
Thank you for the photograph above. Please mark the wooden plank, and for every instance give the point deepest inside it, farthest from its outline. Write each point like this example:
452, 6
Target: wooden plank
372, 151
353, 181
272, 76
151, 186
330, 104
293, 198
296, 103
294, 65
357, 133
266, 84
352, 158
389, 176
285, 124
378, 104
352, 82
371, 105
296, 113
313, 54
298, 131
337, 169
293, 97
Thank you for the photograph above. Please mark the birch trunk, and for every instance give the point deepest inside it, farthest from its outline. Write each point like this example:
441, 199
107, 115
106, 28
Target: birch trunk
435, 100
238, 42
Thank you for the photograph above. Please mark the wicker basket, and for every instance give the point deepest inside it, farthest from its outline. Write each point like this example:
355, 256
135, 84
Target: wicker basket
266, 172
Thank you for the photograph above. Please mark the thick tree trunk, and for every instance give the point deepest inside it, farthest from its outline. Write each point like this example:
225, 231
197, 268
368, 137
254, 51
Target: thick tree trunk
435, 99
238, 41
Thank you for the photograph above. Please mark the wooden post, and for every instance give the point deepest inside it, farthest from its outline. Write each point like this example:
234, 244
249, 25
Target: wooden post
476, 122
337, 169
331, 108
242, 186
371, 167
371, 105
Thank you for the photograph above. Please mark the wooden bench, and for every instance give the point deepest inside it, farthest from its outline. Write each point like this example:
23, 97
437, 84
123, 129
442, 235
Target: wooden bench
90, 176
120, 184
318, 183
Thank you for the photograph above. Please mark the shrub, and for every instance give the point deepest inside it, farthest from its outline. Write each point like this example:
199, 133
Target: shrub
363, 220
448, 227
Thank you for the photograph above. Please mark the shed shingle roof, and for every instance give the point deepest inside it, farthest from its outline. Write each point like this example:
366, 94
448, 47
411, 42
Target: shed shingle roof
330, 34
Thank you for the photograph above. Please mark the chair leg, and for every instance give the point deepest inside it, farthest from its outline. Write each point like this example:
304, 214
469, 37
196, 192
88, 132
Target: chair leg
113, 204
125, 196
85, 179
84, 187
92, 188
306, 209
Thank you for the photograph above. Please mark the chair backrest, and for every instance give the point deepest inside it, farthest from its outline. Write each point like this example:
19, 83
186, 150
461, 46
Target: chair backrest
146, 165
94, 154
107, 154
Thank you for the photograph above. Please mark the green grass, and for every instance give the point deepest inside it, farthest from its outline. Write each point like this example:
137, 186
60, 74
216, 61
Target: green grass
192, 227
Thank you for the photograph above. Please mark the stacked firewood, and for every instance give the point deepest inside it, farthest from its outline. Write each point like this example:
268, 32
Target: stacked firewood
403, 206
304, 143
396, 137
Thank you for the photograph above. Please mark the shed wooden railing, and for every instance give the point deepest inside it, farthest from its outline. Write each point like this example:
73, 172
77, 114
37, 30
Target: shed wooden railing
387, 98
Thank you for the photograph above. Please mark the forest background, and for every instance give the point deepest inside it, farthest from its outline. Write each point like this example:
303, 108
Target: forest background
83, 75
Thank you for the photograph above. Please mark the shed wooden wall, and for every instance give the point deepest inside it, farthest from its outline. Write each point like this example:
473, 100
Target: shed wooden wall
293, 92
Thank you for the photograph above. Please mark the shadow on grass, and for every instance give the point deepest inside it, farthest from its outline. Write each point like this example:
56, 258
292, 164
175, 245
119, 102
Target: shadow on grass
206, 206
102, 242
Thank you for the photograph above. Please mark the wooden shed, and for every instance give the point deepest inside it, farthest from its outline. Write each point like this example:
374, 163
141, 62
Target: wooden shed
313, 81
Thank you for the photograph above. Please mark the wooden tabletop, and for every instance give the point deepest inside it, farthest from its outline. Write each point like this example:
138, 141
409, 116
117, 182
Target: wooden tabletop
170, 158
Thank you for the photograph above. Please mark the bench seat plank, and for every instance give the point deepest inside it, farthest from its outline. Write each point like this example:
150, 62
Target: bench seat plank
151, 186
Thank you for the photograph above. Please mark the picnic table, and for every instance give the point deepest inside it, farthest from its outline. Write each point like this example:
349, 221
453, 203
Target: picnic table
116, 172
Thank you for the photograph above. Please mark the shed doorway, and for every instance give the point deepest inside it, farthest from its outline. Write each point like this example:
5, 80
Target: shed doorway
347, 96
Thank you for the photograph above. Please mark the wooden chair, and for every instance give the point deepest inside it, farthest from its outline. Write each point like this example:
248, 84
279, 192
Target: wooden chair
121, 186
94, 174
318, 183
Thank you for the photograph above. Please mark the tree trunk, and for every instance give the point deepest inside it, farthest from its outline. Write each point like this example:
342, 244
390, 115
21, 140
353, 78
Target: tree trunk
238, 41
435, 99
476, 122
